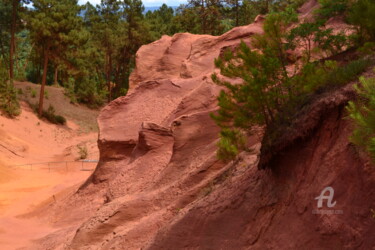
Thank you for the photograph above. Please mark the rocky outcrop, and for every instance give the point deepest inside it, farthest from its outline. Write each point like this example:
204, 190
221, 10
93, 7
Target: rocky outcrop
185, 55
159, 184
277, 209
157, 146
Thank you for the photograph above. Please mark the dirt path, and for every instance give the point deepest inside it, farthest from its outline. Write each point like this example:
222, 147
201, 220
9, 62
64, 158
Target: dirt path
28, 140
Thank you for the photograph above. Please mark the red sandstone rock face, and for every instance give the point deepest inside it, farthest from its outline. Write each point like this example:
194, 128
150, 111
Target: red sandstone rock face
159, 185
275, 209
157, 144
185, 55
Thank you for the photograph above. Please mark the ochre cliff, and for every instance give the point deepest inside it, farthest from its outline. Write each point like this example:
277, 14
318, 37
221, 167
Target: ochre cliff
275, 209
159, 185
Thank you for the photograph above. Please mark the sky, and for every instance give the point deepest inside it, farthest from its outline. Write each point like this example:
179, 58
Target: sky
147, 3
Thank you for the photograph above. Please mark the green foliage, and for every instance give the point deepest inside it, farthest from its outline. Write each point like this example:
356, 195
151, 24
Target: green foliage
231, 143
50, 115
5, 24
53, 25
86, 92
33, 93
362, 112
202, 17
162, 22
54, 28
330, 8
348, 72
367, 48
309, 34
267, 98
82, 152
361, 14
269, 94
265, 88
8, 95
317, 77
123, 92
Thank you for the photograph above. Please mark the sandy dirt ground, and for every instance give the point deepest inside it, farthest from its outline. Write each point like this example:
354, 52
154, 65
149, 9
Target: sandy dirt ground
27, 140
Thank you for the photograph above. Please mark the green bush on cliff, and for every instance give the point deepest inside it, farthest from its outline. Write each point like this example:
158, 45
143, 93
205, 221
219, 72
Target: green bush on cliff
362, 16
362, 112
268, 92
265, 89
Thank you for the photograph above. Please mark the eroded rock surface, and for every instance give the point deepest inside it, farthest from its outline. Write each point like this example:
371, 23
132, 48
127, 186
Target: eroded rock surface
159, 184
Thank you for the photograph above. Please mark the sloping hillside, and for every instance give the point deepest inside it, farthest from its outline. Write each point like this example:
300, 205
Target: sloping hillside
159, 185
77, 113
28, 140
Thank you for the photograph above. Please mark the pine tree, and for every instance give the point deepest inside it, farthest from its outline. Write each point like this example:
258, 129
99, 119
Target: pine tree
107, 26
361, 14
5, 24
52, 26
362, 112
265, 89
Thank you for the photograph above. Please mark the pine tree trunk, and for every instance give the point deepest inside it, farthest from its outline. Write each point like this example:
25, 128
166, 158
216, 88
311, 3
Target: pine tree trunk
55, 76
109, 70
12, 39
203, 17
41, 96
237, 14
27, 59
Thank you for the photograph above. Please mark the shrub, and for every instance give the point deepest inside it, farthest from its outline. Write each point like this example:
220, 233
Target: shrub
231, 143
8, 96
266, 97
269, 95
84, 90
361, 14
50, 115
60, 119
348, 72
82, 151
362, 112
330, 8
367, 48
317, 77
33, 93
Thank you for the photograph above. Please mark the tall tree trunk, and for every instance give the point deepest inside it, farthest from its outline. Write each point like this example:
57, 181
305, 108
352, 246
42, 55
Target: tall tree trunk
39, 74
237, 14
27, 59
203, 17
118, 74
56, 75
12, 38
109, 70
41, 96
